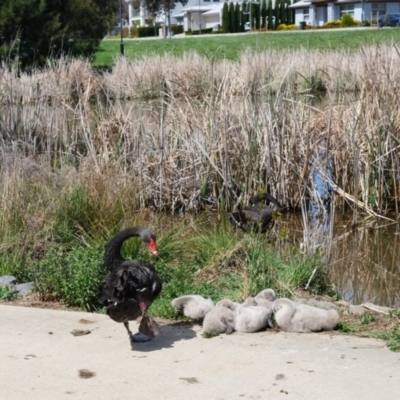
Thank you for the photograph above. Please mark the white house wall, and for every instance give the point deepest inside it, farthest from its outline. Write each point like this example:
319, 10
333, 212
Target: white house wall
392, 8
212, 20
331, 12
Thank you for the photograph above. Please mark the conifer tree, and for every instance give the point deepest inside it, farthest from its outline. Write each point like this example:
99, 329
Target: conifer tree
238, 26
232, 18
289, 12
270, 13
264, 14
251, 15
244, 15
225, 18
257, 15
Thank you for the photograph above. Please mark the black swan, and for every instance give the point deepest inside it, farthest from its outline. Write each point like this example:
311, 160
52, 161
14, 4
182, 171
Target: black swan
256, 217
131, 285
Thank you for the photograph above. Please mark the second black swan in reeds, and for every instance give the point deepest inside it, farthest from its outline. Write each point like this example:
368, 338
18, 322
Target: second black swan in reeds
131, 285
256, 217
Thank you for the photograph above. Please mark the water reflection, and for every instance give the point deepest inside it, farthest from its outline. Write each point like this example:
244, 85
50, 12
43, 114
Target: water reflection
364, 264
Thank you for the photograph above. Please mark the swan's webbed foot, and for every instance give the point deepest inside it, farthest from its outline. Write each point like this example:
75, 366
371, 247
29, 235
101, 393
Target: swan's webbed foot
140, 338
137, 337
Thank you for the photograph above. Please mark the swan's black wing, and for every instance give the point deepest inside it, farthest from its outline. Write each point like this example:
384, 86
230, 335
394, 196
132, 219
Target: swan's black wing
122, 290
256, 218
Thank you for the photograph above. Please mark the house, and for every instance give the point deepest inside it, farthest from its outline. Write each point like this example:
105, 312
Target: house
187, 15
317, 12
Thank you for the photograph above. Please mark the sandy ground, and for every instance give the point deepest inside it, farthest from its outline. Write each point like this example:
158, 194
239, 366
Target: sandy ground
41, 359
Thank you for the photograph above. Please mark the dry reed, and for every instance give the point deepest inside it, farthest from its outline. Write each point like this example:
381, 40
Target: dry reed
215, 131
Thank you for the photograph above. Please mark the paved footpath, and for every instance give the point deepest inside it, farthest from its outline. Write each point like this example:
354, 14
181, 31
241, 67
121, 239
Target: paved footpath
40, 359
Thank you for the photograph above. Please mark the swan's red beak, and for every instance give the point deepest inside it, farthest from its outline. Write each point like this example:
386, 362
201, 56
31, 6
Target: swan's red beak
153, 247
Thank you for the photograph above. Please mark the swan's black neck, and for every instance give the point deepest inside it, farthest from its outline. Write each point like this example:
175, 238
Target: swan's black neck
266, 196
112, 255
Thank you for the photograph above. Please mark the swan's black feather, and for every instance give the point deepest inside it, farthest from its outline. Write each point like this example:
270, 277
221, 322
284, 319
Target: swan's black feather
129, 282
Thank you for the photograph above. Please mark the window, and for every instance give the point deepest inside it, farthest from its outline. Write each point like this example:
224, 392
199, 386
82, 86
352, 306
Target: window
306, 14
377, 9
216, 1
347, 9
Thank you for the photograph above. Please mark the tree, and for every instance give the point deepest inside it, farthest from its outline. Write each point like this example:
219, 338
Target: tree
238, 26
257, 17
270, 13
283, 12
252, 16
156, 7
34, 30
245, 15
264, 14
225, 18
289, 12
232, 27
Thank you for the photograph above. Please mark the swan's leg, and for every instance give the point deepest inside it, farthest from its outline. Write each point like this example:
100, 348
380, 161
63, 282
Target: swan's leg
126, 324
138, 337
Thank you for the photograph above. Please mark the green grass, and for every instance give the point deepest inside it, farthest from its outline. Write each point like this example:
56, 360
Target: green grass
213, 261
230, 46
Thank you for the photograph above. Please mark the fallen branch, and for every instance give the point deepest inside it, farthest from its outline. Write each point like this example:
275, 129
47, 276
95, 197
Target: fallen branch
374, 309
312, 276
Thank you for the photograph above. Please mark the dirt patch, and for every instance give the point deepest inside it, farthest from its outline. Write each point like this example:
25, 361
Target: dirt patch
33, 300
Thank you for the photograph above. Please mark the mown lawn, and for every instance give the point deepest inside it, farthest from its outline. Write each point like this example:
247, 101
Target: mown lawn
230, 46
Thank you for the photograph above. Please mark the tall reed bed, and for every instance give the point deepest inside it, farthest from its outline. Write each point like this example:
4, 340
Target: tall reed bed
196, 133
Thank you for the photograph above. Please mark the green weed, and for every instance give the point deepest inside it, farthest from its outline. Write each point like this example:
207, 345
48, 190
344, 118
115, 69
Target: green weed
345, 327
71, 275
8, 293
367, 318
392, 339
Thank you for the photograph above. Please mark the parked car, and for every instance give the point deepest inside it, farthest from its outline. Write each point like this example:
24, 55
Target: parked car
247, 26
389, 20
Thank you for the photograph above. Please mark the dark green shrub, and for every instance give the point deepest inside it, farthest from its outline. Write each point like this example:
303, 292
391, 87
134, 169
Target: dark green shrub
71, 276
177, 29
147, 31
203, 31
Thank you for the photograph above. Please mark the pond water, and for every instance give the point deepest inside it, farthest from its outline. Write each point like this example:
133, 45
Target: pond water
364, 263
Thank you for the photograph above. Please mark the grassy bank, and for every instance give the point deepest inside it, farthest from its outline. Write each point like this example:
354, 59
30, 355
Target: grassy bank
231, 46
193, 258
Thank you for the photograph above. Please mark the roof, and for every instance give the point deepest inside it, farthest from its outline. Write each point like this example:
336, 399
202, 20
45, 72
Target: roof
215, 10
197, 8
180, 15
301, 4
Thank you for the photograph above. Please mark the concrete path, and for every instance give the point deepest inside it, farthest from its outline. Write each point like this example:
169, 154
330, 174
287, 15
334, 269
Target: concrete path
41, 359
